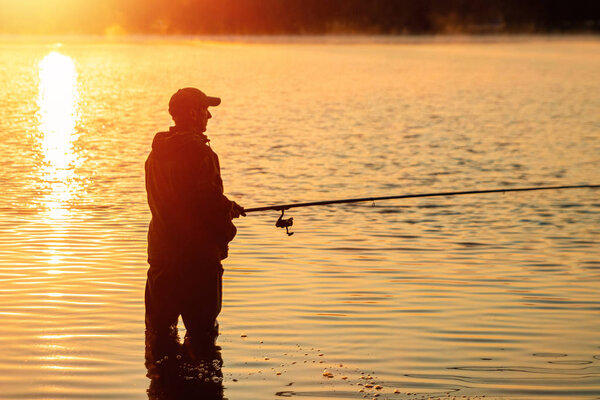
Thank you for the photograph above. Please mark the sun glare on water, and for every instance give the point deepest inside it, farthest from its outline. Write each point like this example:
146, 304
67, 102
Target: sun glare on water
58, 116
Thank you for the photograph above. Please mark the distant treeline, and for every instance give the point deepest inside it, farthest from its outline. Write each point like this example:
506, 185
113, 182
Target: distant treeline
371, 16
300, 16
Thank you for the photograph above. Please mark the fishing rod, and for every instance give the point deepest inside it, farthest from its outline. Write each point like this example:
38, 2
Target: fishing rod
287, 222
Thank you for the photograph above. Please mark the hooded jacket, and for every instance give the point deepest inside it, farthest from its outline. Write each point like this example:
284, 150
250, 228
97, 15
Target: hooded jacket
191, 217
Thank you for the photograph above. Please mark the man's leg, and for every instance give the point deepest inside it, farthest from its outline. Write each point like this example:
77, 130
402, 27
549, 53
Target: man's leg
162, 311
201, 306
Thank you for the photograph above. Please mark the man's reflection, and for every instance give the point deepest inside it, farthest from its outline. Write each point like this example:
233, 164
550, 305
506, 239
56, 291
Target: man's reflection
180, 372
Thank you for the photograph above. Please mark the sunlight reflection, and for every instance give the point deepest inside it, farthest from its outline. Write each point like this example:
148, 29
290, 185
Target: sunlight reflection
54, 256
58, 116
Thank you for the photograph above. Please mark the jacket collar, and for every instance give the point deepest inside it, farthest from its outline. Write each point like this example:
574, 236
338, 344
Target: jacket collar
179, 131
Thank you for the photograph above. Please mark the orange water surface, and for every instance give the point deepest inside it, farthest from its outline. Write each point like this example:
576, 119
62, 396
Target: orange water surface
491, 295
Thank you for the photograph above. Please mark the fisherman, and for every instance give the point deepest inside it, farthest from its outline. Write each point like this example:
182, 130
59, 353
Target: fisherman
190, 229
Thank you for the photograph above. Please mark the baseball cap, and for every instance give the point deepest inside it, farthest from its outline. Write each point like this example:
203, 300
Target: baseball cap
189, 97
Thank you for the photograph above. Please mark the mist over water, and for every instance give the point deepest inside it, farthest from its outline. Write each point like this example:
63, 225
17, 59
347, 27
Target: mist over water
491, 295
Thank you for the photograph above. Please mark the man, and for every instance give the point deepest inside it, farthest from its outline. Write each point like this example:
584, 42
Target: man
190, 229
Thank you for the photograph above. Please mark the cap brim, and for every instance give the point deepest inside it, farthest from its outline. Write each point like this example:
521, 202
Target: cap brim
212, 101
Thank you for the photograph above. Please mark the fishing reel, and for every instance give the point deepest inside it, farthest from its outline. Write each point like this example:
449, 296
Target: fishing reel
285, 223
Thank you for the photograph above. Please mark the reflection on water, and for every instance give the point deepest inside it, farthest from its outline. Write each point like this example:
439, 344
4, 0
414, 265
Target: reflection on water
58, 103
178, 372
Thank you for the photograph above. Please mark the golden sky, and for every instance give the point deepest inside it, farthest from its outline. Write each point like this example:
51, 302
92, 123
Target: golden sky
55, 16
296, 16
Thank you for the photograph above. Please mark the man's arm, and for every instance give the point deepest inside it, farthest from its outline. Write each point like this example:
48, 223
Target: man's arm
214, 210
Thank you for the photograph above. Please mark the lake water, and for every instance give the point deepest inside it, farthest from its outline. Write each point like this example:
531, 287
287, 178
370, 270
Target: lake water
491, 295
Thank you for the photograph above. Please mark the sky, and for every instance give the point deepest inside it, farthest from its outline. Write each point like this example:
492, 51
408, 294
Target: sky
296, 16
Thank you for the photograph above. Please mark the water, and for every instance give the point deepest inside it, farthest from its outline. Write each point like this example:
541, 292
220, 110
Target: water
491, 295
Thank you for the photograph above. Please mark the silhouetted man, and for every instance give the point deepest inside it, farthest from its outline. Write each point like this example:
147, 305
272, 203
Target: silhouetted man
190, 229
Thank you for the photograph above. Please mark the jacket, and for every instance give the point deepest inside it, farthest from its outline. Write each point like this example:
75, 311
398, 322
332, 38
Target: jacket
191, 217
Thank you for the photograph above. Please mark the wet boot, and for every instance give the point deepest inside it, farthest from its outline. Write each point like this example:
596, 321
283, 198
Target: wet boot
201, 346
162, 352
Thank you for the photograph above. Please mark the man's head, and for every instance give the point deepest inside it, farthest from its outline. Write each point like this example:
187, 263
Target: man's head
189, 108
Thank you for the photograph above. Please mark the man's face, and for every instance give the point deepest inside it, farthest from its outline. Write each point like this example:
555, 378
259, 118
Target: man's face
200, 116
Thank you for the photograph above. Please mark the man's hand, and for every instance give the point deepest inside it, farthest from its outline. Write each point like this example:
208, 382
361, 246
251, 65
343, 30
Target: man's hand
237, 210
